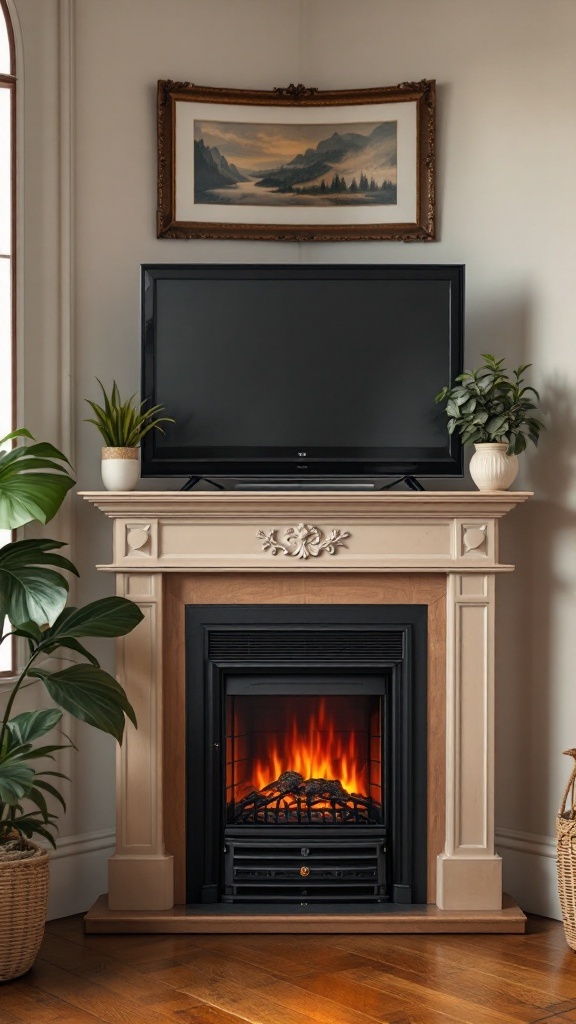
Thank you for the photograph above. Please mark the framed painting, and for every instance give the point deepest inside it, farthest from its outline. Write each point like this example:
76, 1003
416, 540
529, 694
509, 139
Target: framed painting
296, 163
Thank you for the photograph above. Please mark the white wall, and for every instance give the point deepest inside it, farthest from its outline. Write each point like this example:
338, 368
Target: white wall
506, 158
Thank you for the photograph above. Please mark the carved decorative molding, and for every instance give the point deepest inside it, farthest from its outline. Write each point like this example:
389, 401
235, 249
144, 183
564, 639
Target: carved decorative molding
137, 537
295, 92
475, 538
302, 541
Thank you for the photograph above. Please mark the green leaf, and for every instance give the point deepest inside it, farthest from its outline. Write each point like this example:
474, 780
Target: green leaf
90, 694
30, 631
47, 788
15, 780
25, 493
122, 423
29, 592
70, 644
31, 725
29, 825
110, 616
21, 432
495, 424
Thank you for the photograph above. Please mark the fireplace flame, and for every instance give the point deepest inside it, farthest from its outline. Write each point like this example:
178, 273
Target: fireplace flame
322, 753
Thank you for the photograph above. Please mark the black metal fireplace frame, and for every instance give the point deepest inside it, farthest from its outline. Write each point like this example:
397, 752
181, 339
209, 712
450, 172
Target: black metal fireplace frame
234, 640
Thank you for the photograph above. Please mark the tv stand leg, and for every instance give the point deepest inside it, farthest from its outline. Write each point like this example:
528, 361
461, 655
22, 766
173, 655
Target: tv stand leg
411, 483
191, 483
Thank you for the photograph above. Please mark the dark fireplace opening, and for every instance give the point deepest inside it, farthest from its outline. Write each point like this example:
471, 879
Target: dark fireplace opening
306, 754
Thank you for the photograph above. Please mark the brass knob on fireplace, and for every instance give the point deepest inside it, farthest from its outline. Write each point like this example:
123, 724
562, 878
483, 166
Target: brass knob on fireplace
304, 871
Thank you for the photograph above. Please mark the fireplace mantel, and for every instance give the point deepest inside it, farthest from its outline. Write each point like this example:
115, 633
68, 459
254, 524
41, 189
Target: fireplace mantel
424, 532
293, 546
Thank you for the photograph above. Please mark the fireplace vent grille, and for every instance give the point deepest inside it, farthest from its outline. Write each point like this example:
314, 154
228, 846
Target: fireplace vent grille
305, 870
326, 645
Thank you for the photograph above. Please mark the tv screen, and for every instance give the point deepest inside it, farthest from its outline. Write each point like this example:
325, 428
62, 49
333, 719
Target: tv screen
300, 370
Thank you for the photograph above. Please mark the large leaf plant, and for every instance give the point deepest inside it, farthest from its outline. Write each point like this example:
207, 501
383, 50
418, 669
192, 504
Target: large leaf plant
34, 480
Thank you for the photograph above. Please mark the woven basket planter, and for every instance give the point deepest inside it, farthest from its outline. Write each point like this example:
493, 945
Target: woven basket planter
23, 902
566, 851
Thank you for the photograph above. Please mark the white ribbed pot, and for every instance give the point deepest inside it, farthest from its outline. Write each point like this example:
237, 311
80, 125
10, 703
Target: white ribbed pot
120, 468
491, 468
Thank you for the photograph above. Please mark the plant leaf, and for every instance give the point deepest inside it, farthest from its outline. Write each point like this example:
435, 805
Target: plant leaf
30, 592
109, 616
31, 725
26, 494
90, 694
15, 780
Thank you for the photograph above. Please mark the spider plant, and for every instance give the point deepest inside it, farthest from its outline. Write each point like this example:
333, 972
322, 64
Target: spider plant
122, 422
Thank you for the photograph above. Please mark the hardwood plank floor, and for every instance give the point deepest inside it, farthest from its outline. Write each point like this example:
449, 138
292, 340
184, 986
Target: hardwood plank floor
296, 979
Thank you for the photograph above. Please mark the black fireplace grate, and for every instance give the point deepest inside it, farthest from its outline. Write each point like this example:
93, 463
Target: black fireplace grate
294, 644
304, 871
261, 809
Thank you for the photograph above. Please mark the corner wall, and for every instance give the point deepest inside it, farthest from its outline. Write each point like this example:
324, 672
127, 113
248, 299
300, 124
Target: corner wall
506, 154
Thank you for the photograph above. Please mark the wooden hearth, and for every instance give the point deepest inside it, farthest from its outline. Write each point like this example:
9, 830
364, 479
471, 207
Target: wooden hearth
439, 549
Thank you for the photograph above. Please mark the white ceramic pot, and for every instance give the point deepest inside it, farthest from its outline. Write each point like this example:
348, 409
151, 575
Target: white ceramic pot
120, 468
491, 469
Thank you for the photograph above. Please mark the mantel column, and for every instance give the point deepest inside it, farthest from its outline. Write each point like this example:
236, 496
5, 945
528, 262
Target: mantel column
469, 872
141, 876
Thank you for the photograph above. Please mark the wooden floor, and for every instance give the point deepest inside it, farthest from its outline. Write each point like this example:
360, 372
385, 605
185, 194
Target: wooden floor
295, 979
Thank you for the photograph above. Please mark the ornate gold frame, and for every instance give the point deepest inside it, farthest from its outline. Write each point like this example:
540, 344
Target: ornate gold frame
421, 93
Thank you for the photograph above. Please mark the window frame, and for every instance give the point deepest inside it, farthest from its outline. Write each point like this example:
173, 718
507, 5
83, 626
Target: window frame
8, 81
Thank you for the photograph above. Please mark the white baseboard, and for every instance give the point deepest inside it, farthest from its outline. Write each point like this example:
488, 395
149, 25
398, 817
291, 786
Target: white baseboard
529, 870
79, 872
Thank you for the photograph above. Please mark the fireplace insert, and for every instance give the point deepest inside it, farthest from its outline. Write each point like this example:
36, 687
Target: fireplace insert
306, 754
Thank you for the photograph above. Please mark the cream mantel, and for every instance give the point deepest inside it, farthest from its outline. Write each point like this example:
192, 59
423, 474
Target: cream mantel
453, 535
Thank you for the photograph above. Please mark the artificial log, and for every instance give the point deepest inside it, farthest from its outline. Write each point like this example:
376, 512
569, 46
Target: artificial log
294, 799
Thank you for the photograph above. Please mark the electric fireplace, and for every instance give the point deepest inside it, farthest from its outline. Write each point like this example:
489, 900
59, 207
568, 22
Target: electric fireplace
308, 726
179, 843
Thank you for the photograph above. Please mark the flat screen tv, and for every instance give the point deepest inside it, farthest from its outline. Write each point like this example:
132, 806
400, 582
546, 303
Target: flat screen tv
301, 371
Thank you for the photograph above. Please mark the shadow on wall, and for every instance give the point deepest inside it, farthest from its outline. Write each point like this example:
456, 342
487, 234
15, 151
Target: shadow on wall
536, 629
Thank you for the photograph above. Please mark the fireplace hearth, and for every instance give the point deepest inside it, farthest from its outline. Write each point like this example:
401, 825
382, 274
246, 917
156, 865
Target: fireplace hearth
308, 727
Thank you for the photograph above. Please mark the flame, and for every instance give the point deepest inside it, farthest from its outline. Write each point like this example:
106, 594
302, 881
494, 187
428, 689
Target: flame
321, 753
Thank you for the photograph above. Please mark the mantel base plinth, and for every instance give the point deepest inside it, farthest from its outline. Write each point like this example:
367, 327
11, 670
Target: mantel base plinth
217, 919
141, 883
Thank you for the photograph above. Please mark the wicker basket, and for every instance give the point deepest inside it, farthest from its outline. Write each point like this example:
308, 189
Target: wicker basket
23, 902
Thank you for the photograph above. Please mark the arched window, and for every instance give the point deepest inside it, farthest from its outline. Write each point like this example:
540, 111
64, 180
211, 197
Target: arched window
7, 245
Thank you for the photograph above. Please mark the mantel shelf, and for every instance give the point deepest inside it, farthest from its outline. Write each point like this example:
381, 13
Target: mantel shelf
246, 504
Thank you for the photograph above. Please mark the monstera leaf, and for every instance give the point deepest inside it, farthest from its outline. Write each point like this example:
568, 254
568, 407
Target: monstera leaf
34, 481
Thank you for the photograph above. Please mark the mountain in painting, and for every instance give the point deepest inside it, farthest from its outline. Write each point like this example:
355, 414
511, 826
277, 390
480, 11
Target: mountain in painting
211, 168
347, 153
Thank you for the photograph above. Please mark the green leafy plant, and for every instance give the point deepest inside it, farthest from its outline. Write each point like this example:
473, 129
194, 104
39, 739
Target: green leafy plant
488, 405
122, 423
34, 480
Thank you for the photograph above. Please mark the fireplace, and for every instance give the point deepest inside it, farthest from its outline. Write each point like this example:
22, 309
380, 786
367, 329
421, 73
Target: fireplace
226, 550
306, 754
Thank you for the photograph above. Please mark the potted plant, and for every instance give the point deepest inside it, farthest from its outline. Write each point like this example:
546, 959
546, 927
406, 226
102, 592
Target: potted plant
34, 480
123, 424
495, 413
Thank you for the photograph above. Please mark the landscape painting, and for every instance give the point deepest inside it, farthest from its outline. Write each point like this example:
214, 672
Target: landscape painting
295, 165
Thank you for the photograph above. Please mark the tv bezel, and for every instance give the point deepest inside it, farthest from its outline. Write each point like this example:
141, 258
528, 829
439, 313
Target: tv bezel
415, 462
